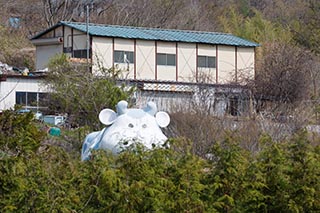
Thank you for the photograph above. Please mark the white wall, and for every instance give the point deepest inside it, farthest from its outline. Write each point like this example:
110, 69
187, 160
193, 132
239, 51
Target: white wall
45, 52
12, 85
207, 75
79, 40
166, 73
226, 64
231, 61
187, 62
145, 54
245, 63
102, 52
125, 45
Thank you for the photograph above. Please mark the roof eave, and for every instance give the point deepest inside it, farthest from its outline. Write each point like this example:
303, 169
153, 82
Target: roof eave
47, 30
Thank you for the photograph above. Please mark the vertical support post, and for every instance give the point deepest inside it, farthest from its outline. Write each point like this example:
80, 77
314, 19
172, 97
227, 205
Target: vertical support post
88, 37
113, 53
236, 64
197, 47
135, 60
177, 62
156, 61
72, 53
217, 65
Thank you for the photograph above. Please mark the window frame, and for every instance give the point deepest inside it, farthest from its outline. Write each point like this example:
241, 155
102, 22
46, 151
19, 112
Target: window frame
207, 63
123, 52
165, 61
26, 100
80, 53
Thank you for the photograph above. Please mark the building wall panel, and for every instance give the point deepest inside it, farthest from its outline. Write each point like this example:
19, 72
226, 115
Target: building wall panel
79, 40
124, 44
187, 62
245, 63
102, 52
166, 47
166, 73
45, 53
226, 64
145, 59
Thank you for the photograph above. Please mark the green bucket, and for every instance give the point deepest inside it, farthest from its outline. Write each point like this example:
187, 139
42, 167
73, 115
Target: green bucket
54, 131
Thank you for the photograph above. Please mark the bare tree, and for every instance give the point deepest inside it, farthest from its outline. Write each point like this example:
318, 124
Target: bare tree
57, 10
282, 74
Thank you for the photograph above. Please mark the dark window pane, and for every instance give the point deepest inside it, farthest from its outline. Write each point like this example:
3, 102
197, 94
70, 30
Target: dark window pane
21, 98
118, 56
161, 59
233, 108
212, 62
171, 59
81, 53
166, 59
123, 56
43, 99
129, 57
201, 61
32, 99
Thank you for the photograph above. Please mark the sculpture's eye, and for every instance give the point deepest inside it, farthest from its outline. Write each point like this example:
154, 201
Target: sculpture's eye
144, 126
130, 125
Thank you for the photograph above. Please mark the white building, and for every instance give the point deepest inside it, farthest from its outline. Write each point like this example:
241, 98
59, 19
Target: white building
145, 54
26, 91
151, 54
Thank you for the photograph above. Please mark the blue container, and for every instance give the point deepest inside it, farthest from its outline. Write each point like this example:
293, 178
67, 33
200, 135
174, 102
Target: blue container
55, 131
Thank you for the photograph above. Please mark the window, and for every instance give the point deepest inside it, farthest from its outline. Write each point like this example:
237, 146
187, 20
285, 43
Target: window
123, 57
233, 106
21, 98
207, 61
30, 99
81, 53
166, 59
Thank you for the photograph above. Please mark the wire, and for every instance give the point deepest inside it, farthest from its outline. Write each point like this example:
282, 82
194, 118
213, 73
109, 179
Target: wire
2, 99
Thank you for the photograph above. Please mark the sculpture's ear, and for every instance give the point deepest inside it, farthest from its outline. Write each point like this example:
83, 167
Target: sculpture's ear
151, 108
163, 119
107, 116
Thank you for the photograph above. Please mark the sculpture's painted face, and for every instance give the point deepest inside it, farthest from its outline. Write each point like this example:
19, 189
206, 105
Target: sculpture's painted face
135, 125
126, 127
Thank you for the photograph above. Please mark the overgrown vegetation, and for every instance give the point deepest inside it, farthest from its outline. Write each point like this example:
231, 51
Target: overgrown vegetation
39, 177
220, 165
80, 93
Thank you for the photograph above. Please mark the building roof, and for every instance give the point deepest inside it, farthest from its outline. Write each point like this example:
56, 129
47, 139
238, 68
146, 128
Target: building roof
156, 34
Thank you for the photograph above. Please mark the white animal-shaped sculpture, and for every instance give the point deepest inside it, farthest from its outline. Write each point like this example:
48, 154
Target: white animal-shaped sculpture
126, 127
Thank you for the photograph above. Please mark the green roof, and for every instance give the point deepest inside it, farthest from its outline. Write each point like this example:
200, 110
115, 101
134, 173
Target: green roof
157, 34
